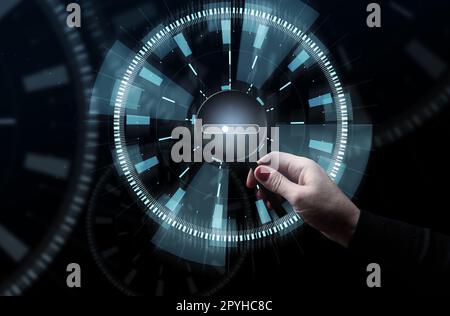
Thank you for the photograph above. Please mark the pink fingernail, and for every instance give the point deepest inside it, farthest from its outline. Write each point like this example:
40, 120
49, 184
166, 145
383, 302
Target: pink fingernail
262, 174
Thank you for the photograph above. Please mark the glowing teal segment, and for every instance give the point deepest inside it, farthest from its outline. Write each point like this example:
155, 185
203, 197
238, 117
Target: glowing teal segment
217, 216
150, 76
321, 145
226, 31
260, 36
193, 70
183, 44
175, 199
134, 97
47, 78
321, 100
52, 166
138, 120
260, 101
286, 85
225, 88
146, 164
262, 211
299, 60
12, 245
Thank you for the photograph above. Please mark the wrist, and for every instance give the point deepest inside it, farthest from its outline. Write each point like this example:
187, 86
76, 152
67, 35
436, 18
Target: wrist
349, 226
345, 227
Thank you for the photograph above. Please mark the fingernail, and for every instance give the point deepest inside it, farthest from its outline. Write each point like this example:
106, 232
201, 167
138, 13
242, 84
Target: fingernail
262, 174
264, 160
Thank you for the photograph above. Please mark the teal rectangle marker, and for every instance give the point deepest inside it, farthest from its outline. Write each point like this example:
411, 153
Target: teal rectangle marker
217, 216
43, 164
262, 211
183, 44
260, 36
299, 60
321, 145
12, 245
138, 120
47, 78
146, 164
175, 199
226, 31
150, 76
321, 100
134, 97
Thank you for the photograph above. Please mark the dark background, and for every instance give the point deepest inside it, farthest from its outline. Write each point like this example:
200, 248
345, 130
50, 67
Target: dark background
406, 179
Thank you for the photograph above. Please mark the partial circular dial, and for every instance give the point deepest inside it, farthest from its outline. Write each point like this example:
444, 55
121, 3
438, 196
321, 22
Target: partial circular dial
124, 243
44, 163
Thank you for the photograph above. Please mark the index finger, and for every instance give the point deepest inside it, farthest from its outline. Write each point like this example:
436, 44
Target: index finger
251, 180
289, 165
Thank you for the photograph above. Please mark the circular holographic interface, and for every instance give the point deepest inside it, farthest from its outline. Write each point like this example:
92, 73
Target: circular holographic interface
207, 95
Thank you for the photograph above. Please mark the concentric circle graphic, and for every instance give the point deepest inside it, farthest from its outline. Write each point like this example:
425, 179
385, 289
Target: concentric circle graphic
239, 70
49, 148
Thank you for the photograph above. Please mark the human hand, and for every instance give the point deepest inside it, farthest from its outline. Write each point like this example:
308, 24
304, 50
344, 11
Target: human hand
310, 191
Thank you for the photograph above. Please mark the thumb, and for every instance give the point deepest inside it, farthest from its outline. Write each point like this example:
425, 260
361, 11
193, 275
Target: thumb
274, 181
